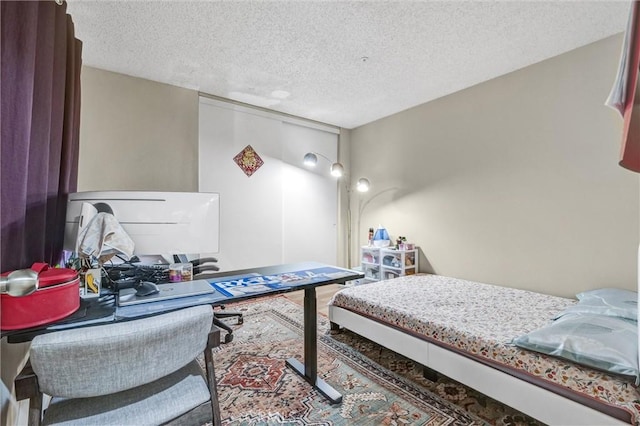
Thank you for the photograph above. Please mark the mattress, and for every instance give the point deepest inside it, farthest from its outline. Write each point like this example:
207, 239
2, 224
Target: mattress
479, 321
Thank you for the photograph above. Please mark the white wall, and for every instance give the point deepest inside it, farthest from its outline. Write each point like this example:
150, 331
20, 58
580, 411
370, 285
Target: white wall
514, 181
283, 213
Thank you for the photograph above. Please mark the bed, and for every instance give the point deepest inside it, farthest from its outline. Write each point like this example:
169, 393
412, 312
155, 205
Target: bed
465, 330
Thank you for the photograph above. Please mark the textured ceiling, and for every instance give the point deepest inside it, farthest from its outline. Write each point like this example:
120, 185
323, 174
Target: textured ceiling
344, 63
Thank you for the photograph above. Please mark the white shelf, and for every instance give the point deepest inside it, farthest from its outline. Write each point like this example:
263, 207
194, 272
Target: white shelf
387, 263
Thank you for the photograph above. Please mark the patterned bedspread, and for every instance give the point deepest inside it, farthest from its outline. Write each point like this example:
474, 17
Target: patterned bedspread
481, 320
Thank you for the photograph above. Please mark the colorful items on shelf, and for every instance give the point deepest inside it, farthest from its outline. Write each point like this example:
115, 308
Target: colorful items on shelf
386, 263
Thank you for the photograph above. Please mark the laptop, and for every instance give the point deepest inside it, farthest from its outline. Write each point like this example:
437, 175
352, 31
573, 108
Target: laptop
127, 296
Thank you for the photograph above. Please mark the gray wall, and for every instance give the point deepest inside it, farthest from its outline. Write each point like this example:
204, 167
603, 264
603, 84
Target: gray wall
136, 134
513, 182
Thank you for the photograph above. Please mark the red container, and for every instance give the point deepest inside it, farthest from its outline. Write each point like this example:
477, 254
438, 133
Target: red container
57, 296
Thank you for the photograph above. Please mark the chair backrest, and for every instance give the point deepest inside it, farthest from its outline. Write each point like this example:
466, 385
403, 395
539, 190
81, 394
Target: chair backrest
105, 359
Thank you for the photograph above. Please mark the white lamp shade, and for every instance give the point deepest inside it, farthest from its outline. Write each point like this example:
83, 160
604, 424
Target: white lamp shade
337, 170
310, 159
363, 185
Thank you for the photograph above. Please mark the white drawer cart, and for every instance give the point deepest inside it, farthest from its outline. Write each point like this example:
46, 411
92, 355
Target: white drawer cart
370, 262
397, 263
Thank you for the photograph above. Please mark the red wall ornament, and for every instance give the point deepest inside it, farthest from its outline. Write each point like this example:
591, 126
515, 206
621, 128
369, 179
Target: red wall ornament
248, 160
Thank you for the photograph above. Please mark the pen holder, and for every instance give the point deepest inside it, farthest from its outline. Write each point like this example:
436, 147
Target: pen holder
91, 282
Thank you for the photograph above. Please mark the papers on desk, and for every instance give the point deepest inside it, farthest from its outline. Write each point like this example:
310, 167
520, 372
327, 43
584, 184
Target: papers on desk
254, 283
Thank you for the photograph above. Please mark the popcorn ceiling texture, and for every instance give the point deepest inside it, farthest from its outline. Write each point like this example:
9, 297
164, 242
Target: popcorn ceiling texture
417, 51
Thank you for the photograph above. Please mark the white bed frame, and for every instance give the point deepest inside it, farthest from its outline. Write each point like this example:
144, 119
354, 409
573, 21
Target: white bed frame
541, 404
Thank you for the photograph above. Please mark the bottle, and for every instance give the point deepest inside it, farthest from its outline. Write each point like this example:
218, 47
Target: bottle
370, 236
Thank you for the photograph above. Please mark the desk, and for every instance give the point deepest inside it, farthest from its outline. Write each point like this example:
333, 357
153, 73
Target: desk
231, 286
285, 278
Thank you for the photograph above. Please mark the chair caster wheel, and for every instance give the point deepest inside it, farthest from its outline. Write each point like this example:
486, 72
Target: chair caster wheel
240, 320
228, 338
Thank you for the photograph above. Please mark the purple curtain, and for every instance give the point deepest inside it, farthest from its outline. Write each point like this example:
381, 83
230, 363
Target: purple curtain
40, 68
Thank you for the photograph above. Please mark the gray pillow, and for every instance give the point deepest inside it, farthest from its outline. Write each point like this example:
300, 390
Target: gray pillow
602, 342
606, 301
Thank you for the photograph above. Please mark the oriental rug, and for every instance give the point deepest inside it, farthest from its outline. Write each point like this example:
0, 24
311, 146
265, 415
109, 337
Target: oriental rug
379, 387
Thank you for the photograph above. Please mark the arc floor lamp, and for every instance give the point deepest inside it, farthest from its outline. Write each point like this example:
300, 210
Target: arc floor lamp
337, 170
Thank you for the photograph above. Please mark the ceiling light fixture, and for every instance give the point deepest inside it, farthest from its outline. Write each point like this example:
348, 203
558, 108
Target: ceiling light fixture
280, 94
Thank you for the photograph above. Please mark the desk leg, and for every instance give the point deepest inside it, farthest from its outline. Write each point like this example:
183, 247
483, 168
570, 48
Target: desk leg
309, 370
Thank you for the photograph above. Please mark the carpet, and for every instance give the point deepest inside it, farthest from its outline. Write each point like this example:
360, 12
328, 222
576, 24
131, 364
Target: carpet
379, 387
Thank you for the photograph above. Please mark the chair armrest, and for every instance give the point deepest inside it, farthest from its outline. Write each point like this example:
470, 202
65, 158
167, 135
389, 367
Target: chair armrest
26, 383
214, 338
26, 386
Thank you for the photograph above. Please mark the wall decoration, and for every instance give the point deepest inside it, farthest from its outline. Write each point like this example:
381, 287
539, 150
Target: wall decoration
248, 160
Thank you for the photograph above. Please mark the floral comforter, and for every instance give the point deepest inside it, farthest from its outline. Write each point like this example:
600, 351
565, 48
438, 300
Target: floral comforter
482, 319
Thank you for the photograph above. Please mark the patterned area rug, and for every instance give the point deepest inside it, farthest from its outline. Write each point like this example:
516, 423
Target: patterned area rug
378, 386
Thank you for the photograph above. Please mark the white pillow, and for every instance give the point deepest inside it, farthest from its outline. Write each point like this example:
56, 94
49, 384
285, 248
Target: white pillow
602, 342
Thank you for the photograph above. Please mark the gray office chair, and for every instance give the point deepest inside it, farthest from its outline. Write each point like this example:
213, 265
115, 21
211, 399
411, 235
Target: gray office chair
141, 372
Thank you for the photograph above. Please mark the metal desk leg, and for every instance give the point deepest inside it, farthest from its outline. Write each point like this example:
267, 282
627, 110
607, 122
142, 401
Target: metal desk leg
309, 370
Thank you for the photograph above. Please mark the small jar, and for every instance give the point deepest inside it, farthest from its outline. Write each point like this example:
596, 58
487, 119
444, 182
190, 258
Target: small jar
180, 272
